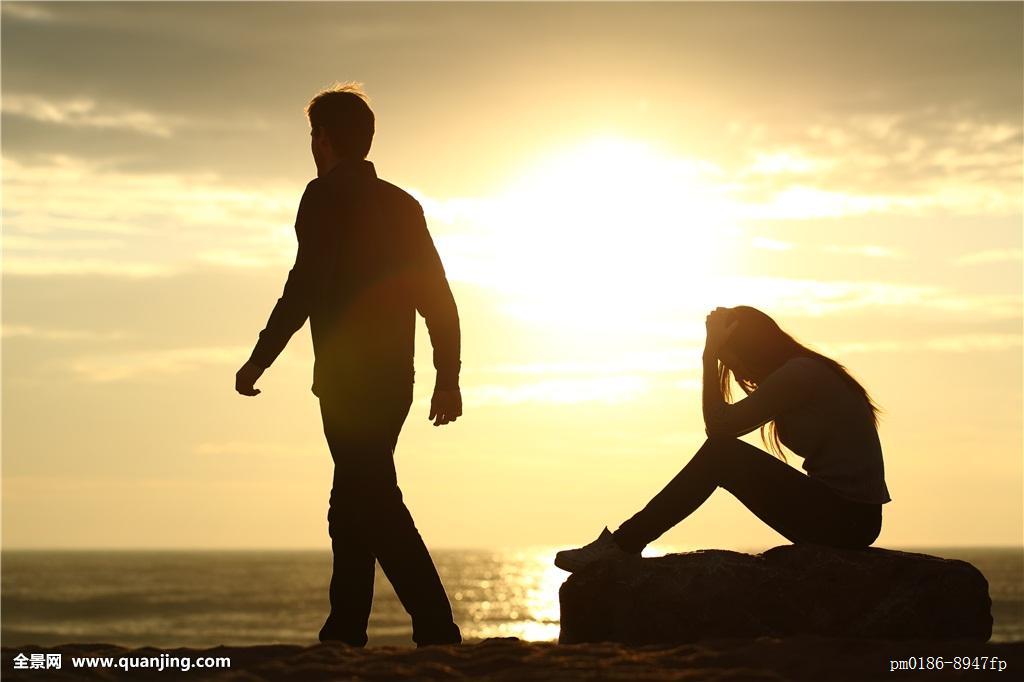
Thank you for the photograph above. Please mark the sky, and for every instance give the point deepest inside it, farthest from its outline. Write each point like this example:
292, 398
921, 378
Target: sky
596, 178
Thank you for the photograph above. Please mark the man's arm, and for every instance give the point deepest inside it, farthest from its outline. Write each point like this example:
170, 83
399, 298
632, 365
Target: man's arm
435, 302
292, 308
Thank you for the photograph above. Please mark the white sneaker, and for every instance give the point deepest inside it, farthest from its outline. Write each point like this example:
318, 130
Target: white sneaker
601, 549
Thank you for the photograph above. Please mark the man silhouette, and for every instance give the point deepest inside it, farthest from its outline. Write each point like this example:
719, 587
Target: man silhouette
365, 265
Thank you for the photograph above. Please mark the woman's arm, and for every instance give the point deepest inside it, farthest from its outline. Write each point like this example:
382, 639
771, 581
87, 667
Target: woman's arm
712, 400
782, 390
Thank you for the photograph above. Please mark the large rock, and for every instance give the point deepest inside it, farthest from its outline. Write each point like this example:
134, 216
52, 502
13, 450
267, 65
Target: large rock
788, 590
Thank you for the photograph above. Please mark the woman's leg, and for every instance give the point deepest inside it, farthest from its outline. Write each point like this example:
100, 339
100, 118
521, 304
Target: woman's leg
798, 507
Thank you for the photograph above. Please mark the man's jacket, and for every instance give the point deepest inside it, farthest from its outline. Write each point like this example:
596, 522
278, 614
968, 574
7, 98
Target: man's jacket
365, 265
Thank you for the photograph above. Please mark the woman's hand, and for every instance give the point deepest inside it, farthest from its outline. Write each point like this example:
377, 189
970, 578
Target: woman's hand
719, 327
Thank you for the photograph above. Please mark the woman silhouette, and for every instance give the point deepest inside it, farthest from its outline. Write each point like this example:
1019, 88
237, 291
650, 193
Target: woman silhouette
806, 401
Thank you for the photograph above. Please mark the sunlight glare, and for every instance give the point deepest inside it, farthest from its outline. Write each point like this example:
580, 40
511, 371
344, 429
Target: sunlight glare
610, 236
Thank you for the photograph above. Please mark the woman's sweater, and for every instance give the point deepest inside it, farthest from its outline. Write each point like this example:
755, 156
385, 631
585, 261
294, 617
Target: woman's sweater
819, 417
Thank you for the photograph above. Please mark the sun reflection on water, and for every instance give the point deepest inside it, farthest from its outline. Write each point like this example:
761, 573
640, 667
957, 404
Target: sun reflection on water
514, 594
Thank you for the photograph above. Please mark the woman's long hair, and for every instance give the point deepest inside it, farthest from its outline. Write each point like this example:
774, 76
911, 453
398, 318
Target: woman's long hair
759, 341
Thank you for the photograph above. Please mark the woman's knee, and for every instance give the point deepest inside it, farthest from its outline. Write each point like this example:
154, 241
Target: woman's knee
723, 450
749, 472
719, 443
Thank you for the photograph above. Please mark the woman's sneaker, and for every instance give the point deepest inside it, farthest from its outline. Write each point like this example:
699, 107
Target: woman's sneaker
601, 549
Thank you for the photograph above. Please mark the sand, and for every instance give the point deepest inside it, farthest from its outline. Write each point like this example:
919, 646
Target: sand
804, 658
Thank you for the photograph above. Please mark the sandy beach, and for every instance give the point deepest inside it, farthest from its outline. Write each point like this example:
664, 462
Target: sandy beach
805, 658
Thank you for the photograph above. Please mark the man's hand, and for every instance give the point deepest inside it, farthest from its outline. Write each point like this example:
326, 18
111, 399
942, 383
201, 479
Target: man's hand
445, 406
246, 377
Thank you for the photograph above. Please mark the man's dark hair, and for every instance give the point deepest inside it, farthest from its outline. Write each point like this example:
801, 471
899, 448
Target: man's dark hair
343, 110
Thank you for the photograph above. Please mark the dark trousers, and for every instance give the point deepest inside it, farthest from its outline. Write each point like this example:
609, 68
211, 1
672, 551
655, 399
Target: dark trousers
368, 521
801, 508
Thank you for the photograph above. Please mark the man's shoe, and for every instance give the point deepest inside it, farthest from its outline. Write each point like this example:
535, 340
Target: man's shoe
439, 642
601, 549
450, 635
329, 634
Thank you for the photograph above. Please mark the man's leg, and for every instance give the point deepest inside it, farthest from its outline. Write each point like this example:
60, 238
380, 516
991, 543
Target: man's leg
352, 577
380, 517
397, 543
405, 560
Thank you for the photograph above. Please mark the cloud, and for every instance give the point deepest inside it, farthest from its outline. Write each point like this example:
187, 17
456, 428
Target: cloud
69, 192
691, 384
82, 112
138, 224
923, 138
786, 162
626, 197
485, 241
35, 244
144, 363
866, 250
245, 448
605, 389
923, 159
973, 342
963, 343
262, 24
27, 11
990, 256
771, 244
234, 258
37, 267
30, 331
636, 363
818, 298
807, 202
617, 382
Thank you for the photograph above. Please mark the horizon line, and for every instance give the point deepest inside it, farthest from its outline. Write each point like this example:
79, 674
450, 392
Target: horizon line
327, 549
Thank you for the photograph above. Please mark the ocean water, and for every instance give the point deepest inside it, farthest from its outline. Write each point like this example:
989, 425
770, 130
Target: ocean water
205, 598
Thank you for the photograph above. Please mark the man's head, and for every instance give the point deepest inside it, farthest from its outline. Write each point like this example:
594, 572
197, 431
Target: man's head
341, 124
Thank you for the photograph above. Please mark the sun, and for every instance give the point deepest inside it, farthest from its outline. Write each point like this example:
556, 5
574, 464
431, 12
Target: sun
606, 238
